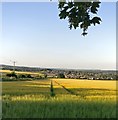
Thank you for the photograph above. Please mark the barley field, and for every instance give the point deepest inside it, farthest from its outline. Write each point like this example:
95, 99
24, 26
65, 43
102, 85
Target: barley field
59, 98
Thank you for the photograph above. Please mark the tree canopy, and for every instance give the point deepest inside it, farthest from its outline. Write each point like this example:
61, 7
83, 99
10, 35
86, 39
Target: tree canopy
80, 14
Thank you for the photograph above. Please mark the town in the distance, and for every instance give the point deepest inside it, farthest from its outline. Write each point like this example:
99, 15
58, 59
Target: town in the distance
40, 73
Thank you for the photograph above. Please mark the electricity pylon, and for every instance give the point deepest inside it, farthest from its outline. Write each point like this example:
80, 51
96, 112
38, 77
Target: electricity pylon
14, 63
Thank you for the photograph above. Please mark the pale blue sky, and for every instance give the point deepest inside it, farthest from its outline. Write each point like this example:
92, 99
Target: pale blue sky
33, 35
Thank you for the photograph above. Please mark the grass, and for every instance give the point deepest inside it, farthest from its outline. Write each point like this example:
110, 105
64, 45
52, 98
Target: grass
73, 99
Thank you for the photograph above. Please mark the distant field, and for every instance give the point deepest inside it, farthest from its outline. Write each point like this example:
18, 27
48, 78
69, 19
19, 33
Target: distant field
73, 99
19, 72
77, 83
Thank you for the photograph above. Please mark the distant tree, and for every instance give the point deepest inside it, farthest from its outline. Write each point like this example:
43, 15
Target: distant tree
45, 75
8, 75
28, 76
52, 90
80, 13
13, 74
60, 75
22, 76
25, 76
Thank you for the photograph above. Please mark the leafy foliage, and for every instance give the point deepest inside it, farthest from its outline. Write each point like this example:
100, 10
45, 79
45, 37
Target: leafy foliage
80, 14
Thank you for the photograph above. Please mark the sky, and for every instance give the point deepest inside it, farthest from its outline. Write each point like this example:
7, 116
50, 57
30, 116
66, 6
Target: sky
33, 35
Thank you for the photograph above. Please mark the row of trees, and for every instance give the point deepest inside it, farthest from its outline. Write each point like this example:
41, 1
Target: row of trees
13, 74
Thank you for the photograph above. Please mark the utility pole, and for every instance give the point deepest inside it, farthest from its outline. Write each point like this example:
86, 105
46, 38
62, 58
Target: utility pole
14, 63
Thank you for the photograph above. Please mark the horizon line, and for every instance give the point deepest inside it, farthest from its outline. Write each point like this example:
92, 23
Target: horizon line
60, 68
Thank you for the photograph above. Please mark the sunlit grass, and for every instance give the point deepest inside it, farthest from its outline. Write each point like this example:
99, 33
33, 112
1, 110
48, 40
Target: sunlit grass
77, 83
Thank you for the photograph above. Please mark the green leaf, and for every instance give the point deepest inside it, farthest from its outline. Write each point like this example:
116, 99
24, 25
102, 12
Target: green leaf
70, 4
63, 14
96, 20
79, 14
84, 33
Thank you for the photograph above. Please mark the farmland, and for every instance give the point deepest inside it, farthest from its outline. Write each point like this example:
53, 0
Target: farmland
72, 99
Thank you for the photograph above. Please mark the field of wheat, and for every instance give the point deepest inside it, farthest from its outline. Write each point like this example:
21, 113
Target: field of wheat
71, 99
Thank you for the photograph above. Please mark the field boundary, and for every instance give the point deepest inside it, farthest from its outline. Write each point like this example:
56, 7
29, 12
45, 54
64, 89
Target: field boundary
69, 91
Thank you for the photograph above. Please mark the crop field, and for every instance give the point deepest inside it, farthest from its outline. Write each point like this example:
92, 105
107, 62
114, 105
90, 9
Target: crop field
18, 72
71, 99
